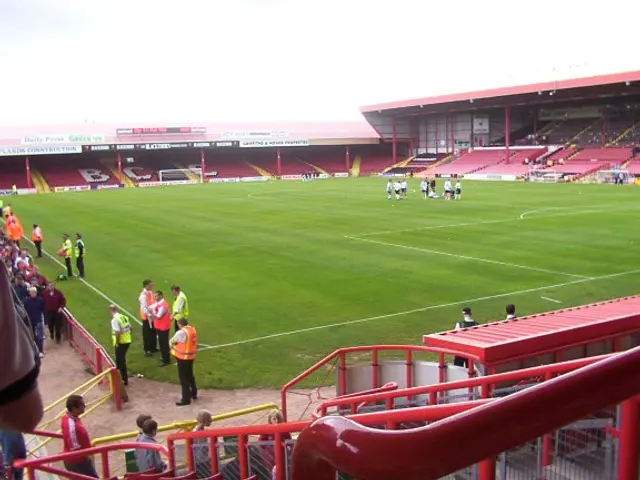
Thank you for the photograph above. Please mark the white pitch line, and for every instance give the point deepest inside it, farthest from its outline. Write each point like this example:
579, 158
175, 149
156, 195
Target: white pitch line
100, 292
422, 309
523, 216
550, 299
465, 257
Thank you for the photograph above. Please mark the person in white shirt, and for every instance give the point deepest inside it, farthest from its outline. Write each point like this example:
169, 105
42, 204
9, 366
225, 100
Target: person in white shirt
397, 187
389, 189
424, 188
458, 190
448, 191
403, 185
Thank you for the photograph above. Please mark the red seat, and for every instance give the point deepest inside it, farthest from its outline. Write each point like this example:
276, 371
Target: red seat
149, 476
217, 476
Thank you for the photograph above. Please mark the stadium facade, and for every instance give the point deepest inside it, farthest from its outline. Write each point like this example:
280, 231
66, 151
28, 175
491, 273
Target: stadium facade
565, 129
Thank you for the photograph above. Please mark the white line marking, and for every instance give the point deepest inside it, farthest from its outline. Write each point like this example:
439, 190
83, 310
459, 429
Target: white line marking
101, 293
550, 299
464, 257
604, 209
422, 309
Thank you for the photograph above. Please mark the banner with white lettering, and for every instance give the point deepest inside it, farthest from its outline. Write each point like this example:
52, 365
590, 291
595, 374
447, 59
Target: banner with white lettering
66, 138
63, 149
273, 143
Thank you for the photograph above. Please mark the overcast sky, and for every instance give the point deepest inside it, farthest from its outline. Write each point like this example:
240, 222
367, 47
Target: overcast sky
257, 60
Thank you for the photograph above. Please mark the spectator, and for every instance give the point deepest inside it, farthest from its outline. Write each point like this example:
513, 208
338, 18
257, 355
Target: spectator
75, 437
54, 304
13, 448
511, 311
34, 306
146, 458
201, 446
467, 322
20, 401
268, 451
20, 287
143, 417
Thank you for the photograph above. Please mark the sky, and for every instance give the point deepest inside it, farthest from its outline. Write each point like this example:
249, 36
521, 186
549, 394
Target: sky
74, 61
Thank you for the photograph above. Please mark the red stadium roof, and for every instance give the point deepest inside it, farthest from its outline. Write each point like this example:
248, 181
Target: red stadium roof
527, 337
509, 91
11, 135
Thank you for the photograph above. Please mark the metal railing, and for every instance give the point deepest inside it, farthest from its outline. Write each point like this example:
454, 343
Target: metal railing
334, 444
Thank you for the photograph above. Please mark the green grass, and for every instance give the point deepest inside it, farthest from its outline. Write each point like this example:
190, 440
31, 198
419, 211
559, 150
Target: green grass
264, 259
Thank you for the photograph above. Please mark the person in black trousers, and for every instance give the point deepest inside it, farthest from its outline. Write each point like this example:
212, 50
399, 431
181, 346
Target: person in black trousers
183, 347
67, 249
36, 236
80, 252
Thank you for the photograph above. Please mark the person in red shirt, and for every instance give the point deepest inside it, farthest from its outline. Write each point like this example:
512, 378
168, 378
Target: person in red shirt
54, 304
75, 437
161, 315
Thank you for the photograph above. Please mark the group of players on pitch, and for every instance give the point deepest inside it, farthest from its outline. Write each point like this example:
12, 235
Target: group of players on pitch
427, 188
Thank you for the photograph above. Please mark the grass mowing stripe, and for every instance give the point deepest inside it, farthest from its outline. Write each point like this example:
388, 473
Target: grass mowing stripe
422, 309
464, 257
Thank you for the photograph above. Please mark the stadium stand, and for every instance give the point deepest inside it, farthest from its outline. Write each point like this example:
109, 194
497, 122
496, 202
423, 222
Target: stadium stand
472, 162
62, 170
568, 130
13, 173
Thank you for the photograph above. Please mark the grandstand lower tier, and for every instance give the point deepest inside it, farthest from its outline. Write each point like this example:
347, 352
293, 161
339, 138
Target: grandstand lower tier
572, 413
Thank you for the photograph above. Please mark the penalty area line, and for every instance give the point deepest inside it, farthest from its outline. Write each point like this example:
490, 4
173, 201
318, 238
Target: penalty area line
419, 310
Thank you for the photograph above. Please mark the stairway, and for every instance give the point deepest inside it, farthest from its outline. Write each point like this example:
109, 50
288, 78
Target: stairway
261, 171
188, 173
315, 167
126, 181
39, 182
355, 168
401, 164
623, 134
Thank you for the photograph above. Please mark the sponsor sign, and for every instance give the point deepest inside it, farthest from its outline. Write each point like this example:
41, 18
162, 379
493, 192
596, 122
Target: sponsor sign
322, 175
106, 187
5, 192
159, 131
161, 146
291, 177
225, 180
480, 124
164, 184
341, 175
273, 143
27, 191
478, 176
254, 179
62, 149
76, 188
257, 134
63, 138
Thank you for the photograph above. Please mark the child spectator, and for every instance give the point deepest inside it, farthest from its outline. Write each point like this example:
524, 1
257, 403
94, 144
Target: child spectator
148, 459
201, 446
143, 417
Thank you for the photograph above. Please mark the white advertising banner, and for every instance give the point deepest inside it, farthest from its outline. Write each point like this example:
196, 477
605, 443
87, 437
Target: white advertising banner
240, 134
83, 139
273, 143
341, 175
62, 149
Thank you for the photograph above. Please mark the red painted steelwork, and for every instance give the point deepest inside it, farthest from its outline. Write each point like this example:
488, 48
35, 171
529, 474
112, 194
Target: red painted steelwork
484, 383
338, 443
534, 335
341, 354
534, 88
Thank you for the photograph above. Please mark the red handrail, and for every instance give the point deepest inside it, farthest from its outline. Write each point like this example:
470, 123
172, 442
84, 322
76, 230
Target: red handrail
34, 464
341, 354
338, 443
349, 401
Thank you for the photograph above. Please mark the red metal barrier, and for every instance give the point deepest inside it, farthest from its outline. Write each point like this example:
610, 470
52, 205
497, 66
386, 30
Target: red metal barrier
93, 354
43, 464
390, 419
486, 385
341, 356
338, 443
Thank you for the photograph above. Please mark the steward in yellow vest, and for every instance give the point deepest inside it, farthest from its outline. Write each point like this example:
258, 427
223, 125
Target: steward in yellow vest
183, 347
180, 308
121, 336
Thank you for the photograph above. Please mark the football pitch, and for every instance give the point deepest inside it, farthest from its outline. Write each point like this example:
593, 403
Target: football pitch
279, 274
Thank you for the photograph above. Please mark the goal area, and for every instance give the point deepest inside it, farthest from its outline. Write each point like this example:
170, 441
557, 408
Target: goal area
615, 177
179, 174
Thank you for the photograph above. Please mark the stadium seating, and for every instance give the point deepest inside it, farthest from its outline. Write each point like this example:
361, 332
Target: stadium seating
63, 171
614, 154
563, 153
472, 162
329, 160
13, 173
580, 167
566, 131
633, 167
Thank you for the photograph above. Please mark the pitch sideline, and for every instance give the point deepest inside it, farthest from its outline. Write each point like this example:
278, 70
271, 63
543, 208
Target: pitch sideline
100, 292
418, 310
